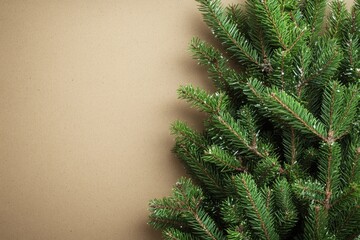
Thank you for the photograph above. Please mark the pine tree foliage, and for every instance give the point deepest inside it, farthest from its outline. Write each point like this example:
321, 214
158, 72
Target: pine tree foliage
279, 157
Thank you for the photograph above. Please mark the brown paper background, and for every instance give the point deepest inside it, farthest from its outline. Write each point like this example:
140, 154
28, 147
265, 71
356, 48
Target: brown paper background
87, 94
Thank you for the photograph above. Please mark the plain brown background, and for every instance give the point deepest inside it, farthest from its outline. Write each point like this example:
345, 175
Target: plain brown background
87, 94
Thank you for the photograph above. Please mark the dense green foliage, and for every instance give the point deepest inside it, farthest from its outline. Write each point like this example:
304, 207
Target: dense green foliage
280, 154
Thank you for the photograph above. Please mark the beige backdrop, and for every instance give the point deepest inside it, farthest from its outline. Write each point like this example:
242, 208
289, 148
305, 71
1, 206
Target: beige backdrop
87, 93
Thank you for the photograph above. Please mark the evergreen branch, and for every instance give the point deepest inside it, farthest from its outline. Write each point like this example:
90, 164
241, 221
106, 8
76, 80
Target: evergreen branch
262, 46
356, 18
337, 18
348, 111
329, 165
258, 36
301, 68
297, 39
255, 90
345, 221
355, 165
272, 20
231, 211
165, 204
345, 215
202, 224
346, 196
236, 135
282, 73
175, 234
247, 119
222, 75
286, 214
325, 66
292, 112
202, 100
271, 15
332, 107
268, 196
311, 191
166, 222
317, 72
294, 19
222, 159
351, 159
238, 233
166, 213
293, 147
183, 132
267, 170
255, 208
314, 11
275, 22
351, 64
227, 32
290, 143
202, 171
238, 16
282, 76
316, 224
189, 147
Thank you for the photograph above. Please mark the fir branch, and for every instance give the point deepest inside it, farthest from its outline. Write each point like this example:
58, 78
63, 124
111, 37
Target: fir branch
189, 148
291, 145
238, 16
166, 213
226, 30
202, 100
356, 18
351, 159
231, 211
202, 224
292, 112
348, 112
221, 158
229, 128
345, 221
316, 224
286, 215
346, 196
258, 37
309, 190
238, 233
276, 23
267, 170
166, 222
329, 171
255, 91
351, 64
199, 169
260, 219
337, 19
175, 234
224, 77
332, 105
328, 57
268, 196
314, 12
302, 64
355, 165
183, 132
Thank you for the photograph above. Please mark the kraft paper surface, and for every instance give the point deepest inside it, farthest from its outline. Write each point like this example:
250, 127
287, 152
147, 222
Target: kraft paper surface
87, 94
